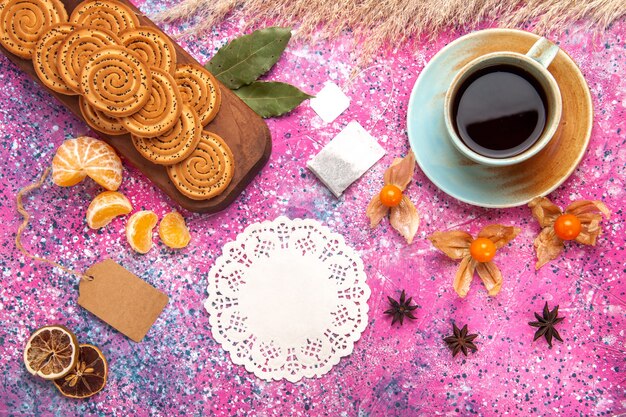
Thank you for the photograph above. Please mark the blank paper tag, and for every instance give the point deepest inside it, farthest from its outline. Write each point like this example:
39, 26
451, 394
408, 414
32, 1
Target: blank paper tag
330, 102
121, 299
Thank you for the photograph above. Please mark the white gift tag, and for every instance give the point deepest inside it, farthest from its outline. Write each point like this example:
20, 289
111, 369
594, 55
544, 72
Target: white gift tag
330, 102
345, 158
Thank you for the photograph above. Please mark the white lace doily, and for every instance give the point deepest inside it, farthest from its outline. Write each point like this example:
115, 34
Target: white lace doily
287, 299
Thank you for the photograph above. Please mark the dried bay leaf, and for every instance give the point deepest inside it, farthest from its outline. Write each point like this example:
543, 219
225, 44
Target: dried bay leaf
246, 58
269, 99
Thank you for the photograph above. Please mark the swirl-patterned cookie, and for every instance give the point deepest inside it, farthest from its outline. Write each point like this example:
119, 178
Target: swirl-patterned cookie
199, 89
105, 14
76, 49
45, 57
152, 46
116, 81
100, 121
174, 145
207, 171
162, 109
22, 22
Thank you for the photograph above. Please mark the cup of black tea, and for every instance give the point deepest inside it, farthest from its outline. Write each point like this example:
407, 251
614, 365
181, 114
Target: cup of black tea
504, 107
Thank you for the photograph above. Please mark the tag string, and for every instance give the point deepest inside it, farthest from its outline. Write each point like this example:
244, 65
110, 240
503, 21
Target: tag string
391, 96
18, 238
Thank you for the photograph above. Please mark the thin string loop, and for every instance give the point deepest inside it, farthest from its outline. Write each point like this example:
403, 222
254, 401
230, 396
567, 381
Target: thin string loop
18, 237
350, 81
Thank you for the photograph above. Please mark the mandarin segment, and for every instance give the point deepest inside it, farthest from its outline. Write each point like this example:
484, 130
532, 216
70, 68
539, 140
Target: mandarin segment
89, 375
173, 231
139, 230
105, 207
51, 352
85, 156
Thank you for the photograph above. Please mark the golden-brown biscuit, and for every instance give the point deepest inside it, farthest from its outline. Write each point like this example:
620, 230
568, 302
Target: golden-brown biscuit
45, 57
76, 49
174, 145
199, 89
110, 15
207, 171
100, 121
116, 81
160, 112
22, 22
152, 46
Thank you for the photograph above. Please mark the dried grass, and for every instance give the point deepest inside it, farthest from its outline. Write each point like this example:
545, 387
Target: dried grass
386, 23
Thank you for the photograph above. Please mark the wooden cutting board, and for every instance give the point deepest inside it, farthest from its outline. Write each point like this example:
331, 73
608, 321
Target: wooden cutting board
243, 130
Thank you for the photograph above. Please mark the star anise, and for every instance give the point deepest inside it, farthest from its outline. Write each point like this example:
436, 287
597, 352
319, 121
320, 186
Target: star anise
401, 309
460, 341
546, 324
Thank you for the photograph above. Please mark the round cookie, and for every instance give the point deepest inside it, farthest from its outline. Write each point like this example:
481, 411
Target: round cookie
45, 57
160, 112
152, 46
116, 81
100, 121
76, 49
105, 14
207, 171
174, 145
22, 22
199, 89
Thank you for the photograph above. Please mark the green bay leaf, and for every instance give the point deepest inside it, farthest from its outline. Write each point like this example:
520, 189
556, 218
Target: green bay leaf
246, 58
271, 98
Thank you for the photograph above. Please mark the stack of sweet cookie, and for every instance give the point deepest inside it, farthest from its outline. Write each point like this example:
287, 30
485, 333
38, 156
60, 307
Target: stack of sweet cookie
128, 81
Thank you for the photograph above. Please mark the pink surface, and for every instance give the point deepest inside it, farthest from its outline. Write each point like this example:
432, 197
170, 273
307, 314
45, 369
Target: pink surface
180, 370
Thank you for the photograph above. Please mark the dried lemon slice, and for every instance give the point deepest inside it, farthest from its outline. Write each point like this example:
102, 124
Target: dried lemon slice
89, 375
51, 352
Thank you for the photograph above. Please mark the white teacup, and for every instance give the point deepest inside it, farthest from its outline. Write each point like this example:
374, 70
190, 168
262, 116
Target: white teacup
534, 63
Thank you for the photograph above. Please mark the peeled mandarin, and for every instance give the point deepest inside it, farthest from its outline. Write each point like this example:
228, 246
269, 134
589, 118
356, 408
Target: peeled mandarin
139, 230
173, 231
85, 156
105, 207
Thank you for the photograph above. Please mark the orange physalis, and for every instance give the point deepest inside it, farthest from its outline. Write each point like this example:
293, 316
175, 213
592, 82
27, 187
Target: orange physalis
404, 217
580, 222
475, 254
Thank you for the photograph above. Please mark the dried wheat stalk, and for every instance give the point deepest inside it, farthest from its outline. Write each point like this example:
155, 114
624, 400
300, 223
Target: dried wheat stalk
387, 23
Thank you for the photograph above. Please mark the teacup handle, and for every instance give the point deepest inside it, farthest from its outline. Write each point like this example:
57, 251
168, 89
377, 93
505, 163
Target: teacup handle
543, 51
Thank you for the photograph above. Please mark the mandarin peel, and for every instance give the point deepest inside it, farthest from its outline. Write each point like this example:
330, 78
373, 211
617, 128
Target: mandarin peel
475, 254
403, 215
580, 222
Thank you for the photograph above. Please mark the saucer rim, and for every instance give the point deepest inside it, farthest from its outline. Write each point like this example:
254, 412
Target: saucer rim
495, 32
